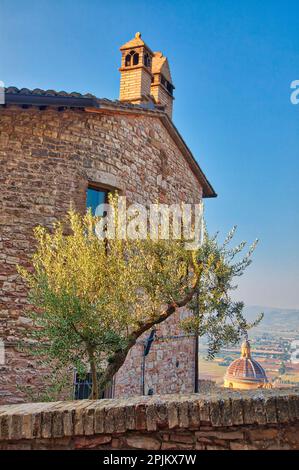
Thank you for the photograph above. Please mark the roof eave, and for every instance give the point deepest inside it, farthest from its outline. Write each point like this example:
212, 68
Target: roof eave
49, 100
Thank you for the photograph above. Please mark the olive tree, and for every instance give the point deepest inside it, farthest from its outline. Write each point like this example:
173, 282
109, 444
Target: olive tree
93, 298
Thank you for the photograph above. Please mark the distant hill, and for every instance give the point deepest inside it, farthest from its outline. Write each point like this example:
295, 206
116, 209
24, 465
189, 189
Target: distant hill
274, 318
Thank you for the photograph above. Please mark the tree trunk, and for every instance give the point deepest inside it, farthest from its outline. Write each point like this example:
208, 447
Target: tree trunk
93, 368
120, 356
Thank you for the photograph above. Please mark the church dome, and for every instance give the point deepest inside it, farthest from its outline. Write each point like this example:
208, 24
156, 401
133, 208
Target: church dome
245, 372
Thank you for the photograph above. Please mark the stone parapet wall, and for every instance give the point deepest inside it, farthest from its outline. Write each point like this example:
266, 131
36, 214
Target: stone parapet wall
266, 419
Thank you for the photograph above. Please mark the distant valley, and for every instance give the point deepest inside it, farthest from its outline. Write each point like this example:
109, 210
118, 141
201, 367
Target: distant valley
275, 319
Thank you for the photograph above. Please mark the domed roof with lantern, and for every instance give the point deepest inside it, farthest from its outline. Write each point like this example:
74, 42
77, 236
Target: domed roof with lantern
245, 372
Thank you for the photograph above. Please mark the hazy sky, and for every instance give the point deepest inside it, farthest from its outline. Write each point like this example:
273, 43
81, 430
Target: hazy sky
232, 63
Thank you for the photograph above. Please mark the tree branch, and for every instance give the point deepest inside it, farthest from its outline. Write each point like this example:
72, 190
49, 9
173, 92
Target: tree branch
120, 356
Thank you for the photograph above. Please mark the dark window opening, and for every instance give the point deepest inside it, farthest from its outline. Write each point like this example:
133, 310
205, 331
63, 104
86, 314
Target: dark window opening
82, 387
132, 59
94, 198
147, 60
128, 60
169, 87
135, 59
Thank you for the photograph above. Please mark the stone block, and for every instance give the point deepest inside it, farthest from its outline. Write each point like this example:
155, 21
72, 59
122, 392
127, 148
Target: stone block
130, 417
173, 416
224, 434
162, 415
262, 433
109, 420
271, 411
57, 424
282, 407
241, 446
143, 442
88, 421
183, 410
46, 423
151, 417
216, 410
99, 420
204, 411
140, 414
91, 442
119, 419
182, 438
194, 415
68, 425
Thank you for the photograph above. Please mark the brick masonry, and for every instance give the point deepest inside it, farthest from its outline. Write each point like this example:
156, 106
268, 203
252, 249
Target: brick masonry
142, 82
47, 159
228, 420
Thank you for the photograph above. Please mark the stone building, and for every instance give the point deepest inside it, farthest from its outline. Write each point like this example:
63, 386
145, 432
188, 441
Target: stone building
58, 148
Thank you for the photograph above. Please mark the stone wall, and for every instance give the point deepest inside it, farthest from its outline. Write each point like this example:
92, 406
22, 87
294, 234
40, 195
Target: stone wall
225, 420
169, 366
47, 159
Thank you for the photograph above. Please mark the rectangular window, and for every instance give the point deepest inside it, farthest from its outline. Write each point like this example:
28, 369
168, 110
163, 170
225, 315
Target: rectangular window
94, 198
82, 387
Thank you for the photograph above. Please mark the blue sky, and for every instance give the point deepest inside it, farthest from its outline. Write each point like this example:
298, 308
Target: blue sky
232, 63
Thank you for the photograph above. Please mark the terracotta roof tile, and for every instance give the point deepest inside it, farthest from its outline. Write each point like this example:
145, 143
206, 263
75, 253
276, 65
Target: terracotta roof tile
37, 91
246, 369
114, 103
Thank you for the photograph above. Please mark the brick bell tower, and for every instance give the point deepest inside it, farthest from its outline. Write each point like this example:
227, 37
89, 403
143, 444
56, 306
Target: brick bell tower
162, 86
145, 76
136, 74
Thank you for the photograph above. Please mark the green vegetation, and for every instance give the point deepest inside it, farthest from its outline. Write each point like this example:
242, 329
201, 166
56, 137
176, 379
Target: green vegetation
93, 298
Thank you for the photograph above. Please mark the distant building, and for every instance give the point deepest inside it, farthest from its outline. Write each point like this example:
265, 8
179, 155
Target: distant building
245, 373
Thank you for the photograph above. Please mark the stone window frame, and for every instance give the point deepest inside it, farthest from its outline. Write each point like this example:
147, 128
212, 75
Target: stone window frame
105, 181
132, 58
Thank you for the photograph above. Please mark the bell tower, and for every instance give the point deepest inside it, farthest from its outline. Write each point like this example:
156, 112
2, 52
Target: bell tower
162, 86
136, 73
